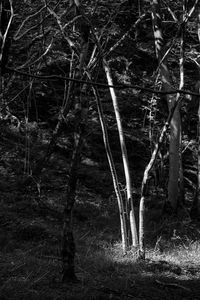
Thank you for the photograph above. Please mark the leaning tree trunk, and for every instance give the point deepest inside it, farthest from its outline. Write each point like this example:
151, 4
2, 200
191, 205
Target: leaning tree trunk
129, 200
123, 221
147, 171
130, 209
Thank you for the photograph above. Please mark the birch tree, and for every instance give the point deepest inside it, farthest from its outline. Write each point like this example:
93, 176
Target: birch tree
129, 199
129, 206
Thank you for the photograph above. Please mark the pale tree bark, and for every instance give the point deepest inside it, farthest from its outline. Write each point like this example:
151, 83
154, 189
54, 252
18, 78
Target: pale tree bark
181, 86
147, 171
175, 125
129, 200
122, 212
124, 157
6, 17
6, 22
195, 210
123, 223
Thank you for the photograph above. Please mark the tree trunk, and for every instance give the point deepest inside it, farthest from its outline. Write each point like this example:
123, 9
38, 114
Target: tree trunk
68, 244
147, 171
129, 203
195, 210
81, 112
124, 158
123, 221
174, 159
175, 126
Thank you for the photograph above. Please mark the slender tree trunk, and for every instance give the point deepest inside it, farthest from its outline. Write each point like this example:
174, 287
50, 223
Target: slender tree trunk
174, 160
122, 141
181, 86
175, 126
195, 210
6, 17
123, 222
124, 158
81, 111
68, 244
147, 171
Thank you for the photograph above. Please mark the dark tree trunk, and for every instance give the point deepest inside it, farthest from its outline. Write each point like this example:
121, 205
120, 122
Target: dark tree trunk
81, 111
68, 244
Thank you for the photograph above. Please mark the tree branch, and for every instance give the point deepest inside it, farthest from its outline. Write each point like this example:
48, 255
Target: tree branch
103, 85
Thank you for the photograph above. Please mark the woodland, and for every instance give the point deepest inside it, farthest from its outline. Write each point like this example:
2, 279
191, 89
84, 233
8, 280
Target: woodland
99, 149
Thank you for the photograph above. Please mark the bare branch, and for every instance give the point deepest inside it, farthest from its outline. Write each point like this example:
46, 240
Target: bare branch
102, 85
5, 35
16, 37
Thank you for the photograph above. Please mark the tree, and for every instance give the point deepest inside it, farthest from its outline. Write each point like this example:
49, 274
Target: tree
195, 210
175, 126
81, 111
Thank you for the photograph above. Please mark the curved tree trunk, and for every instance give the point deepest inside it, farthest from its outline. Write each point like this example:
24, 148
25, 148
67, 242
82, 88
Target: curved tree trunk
124, 158
147, 171
123, 222
129, 200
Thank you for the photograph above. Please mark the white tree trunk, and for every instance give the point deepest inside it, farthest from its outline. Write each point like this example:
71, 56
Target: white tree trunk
124, 157
175, 126
123, 223
174, 159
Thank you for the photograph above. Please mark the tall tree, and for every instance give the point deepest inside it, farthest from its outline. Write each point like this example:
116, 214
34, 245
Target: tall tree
175, 125
122, 211
129, 199
81, 111
195, 210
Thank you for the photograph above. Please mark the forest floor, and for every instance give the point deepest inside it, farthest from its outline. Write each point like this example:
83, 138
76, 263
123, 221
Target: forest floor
30, 234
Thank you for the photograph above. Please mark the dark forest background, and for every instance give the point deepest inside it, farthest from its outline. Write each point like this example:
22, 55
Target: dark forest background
41, 54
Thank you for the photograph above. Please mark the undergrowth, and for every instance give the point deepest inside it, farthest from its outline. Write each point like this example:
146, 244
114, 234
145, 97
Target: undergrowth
31, 265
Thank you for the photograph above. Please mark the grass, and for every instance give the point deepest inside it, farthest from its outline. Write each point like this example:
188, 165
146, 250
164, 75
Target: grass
30, 263
30, 269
